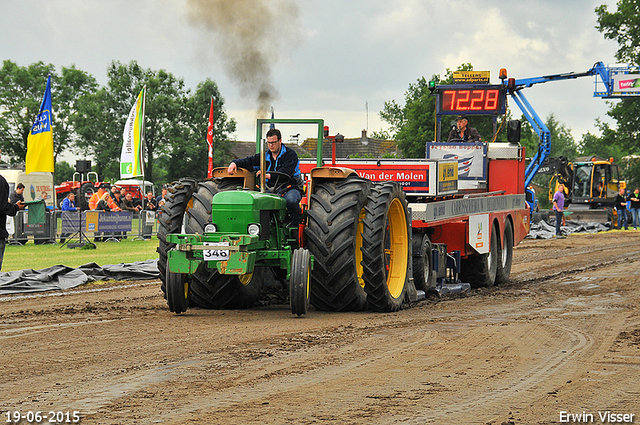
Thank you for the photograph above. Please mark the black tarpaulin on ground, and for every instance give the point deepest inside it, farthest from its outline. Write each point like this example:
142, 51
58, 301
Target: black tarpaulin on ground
63, 277
544, 230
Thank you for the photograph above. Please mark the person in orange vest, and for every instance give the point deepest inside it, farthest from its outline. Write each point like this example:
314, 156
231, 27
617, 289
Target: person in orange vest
103, 202
95, 198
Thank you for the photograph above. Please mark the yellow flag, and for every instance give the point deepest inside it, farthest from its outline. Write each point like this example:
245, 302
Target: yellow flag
40, 139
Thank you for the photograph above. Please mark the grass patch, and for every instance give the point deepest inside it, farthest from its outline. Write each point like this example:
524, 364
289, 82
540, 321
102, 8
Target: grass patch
31, 256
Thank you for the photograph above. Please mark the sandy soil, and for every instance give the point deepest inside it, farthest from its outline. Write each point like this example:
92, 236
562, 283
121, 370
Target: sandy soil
563, 335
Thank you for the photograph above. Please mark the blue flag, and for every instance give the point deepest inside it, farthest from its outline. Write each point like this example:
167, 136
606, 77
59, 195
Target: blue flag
40, 139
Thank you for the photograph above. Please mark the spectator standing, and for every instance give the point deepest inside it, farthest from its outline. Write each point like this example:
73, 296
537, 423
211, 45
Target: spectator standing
129, 205
107, 205
162, 197
634, 199
621, 205
6, 209
558, 207
149, 204
117, 199
68, 204
17, 194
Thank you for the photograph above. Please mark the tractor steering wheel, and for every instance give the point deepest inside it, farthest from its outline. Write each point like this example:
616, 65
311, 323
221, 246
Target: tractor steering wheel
278, 181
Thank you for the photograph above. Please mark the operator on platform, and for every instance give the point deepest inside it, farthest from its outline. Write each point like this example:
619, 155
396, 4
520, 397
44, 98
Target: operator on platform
283, 160
462, 132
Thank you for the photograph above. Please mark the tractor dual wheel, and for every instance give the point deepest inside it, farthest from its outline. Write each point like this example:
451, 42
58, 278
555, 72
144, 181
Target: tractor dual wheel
505, 255
170, 221
385, 248
178, 294
480, 270
299, 281
333, 236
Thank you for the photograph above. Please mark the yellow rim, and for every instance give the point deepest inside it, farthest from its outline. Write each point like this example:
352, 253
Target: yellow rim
396, 248
359, 268
245, 278
185, 286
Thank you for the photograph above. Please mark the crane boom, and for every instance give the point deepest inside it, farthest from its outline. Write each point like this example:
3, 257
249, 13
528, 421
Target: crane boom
607, 76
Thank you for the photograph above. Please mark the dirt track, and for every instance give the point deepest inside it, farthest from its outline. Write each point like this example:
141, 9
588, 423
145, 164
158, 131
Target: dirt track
562, 336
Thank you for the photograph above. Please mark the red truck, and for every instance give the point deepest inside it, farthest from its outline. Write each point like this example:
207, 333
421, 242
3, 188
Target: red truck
467, 208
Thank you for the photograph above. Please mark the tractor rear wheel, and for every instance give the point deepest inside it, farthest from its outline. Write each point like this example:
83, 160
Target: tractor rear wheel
334, 237
210, 289
178, 294
299, 282
385, 248
480, 270
505, 255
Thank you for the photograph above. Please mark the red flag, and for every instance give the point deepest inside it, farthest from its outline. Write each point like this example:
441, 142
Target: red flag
210, 141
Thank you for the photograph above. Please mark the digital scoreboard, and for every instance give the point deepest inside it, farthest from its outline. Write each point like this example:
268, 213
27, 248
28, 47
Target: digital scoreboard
471, 100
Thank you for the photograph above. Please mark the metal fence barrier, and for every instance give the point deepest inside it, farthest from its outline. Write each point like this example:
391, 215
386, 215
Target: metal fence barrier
102, 226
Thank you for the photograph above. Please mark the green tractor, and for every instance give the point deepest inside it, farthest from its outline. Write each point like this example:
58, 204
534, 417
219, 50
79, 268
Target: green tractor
247, 232
221, 239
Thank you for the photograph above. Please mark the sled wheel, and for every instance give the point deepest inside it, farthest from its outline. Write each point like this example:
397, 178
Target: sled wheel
506, 255
423, 274
480, 270
178, 293
299, 282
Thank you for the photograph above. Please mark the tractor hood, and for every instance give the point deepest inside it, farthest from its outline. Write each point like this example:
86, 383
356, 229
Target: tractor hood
248, 199
234, 210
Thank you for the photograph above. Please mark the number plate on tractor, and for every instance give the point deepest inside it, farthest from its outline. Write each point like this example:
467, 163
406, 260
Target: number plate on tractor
217, 253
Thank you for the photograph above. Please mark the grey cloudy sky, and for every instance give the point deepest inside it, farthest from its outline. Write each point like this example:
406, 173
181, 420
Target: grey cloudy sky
322, 59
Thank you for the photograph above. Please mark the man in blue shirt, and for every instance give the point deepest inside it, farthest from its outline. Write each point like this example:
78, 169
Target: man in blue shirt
283, 160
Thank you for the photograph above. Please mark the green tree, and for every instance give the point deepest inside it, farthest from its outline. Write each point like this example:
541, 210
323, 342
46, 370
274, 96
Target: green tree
64, 172
622, 26
604, 146
175, 123
191, 158
21, 92
562, 142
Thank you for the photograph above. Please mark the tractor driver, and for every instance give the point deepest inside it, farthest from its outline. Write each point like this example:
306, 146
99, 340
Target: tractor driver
462, 132
283, 160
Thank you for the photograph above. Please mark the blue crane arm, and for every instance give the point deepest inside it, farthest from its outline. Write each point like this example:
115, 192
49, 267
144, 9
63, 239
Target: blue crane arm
604, 75
544, 147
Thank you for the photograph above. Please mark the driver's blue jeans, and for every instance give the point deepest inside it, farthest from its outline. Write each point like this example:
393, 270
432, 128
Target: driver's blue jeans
293, 198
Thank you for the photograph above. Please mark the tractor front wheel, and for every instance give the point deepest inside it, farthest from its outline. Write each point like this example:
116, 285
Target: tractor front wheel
299, 282
178, 294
